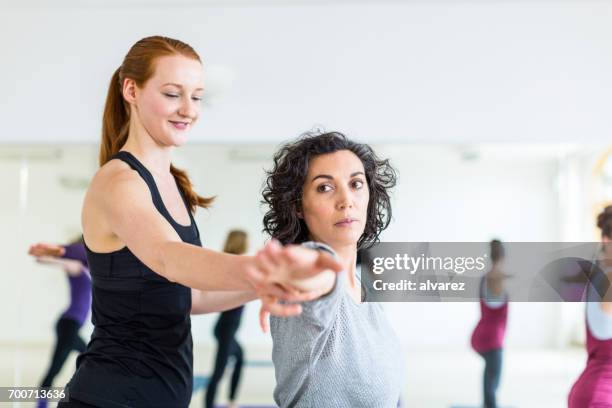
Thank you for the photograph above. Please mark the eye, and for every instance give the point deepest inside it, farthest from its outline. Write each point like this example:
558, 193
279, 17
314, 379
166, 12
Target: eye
197, 98
171, 95
324, 188
357, 184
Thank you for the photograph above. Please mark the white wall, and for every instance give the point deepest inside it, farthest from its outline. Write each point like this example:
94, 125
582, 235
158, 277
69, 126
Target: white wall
450, 71
440, 197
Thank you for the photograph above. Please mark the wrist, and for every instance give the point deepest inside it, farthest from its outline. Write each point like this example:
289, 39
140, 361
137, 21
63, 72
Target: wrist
245, 264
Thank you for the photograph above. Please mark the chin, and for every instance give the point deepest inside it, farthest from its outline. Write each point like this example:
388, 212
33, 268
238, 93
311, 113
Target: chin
345, 241
177, 140
180, 142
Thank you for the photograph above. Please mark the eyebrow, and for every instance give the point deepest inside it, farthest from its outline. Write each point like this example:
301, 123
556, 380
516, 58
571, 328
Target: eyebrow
327, 176
181, 86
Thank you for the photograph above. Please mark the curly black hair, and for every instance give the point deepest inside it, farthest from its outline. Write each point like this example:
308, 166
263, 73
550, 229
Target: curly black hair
283, 187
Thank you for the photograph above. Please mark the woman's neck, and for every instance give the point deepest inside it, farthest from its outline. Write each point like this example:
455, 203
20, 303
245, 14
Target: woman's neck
347, 256
155, 157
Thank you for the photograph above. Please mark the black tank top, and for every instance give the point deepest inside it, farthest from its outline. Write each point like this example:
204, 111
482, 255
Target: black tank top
140, 353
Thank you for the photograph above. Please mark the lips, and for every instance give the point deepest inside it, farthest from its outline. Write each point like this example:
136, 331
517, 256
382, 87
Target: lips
346, 222
180, 125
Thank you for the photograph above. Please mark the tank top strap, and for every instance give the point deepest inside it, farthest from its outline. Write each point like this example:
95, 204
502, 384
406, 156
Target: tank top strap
146, 175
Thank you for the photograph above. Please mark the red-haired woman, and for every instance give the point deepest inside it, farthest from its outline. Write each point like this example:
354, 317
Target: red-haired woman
143, 245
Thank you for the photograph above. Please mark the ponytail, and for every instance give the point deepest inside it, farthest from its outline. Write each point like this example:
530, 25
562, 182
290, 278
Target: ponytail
116, 120
184, 184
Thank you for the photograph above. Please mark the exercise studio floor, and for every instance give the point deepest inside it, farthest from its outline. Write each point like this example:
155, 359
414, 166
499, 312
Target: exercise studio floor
531, 378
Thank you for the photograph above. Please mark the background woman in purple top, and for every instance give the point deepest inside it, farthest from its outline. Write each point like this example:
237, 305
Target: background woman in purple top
74, 261
593, 389
488, 336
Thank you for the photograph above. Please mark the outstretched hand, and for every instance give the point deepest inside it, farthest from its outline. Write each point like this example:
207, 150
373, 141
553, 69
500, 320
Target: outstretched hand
43, 249
277, 268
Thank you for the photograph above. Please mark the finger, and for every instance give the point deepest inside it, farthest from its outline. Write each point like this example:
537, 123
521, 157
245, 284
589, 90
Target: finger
274, 245
35, 249
312, 267
296, 261
255, 278
307, 296
263, 320
254, 275
283, 310
275, 290
326, 261
273, 252
263, 288
265, 264
272, 249
298, 254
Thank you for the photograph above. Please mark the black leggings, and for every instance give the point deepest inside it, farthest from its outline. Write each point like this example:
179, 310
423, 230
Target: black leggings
228, 346
67, 331
492, 374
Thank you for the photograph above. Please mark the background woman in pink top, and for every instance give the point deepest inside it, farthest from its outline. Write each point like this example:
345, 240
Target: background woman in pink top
488, 336
593, 389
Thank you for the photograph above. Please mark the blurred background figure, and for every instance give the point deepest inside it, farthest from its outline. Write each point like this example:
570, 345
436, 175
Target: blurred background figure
593, 389
225, 333
488, 336
74, 262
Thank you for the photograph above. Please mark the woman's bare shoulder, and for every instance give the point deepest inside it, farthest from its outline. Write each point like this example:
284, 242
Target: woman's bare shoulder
112, 176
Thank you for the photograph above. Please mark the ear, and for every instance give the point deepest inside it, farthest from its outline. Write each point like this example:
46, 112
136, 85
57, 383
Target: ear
129, 90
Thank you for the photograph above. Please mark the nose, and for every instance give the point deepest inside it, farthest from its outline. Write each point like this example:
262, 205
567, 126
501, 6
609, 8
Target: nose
345, 199
189, 108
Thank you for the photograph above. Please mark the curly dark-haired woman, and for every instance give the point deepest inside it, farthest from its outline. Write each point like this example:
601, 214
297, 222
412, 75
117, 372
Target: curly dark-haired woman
330, 193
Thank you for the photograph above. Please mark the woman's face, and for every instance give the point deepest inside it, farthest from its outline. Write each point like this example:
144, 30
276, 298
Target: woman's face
169, 102
335, 198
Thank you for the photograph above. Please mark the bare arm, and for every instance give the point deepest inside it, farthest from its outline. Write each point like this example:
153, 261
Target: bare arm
132, 217
52, 254
209, 301
119, 205
44, 249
